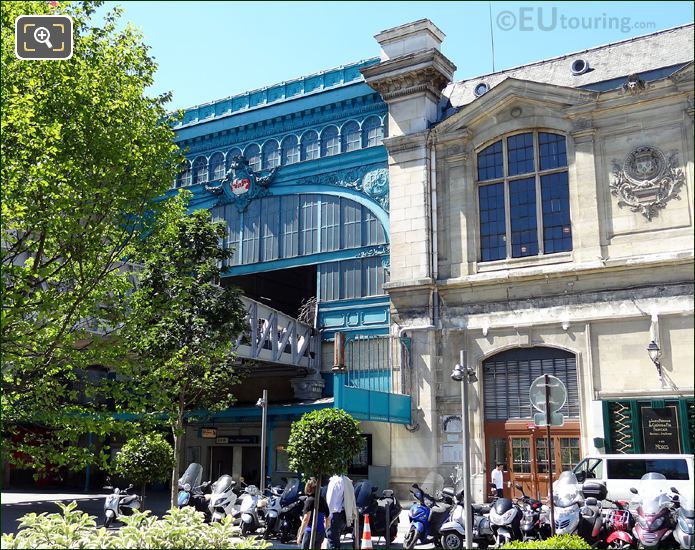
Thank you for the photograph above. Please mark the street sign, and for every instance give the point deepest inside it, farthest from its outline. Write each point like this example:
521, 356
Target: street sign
556, 419
558, 394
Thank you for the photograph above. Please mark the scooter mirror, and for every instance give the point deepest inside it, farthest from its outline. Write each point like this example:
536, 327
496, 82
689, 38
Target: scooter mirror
674, 490
518, 485
130, 486
633, 490
415, 486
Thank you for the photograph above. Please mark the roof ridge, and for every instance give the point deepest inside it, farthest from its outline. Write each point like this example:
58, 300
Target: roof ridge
564, 56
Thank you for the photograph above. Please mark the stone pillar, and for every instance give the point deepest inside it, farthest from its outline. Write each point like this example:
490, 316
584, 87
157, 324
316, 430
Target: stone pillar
410, 78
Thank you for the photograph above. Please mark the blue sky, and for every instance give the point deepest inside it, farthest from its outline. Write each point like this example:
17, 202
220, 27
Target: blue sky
210, 50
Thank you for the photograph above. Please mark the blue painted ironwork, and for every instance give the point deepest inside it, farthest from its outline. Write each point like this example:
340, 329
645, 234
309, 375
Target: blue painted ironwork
370, 405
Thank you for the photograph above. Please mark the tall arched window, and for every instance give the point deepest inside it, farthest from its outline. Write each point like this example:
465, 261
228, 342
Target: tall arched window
271, 154
231, 154
217, 166
290, 150
310, 145
350, 135
523, 197
372, 132
253, 155
200, 170
185, 176
330, 142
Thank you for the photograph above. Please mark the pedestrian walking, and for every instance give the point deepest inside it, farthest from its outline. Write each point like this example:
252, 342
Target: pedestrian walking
304, 534
497, 480
340, 495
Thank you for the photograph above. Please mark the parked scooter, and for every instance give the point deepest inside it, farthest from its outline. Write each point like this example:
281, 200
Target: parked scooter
579, 513
291, 518
619, 525
683, 532
368, 503
453, 532
278, 498
119, 503
427, 515
248, 510
505, 521
535, 524
655, 517
222, 498
192, 492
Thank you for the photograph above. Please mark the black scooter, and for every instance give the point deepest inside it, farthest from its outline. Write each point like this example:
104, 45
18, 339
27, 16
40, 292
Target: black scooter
534, 523
378, 509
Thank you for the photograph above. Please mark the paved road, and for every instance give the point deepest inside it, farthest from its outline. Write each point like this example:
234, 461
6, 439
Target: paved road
15, 504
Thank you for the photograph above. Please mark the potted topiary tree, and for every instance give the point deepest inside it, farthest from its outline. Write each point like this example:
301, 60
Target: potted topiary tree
145, 460
323, 443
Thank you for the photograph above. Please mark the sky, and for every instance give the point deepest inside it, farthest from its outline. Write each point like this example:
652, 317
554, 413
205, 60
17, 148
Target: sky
211, 50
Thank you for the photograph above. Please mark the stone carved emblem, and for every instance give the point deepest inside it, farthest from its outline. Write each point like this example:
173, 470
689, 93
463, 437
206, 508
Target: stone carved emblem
646, 180
634, 85
241, 185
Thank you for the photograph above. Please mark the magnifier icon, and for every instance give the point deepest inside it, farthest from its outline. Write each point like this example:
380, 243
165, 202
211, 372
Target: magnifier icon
42, 36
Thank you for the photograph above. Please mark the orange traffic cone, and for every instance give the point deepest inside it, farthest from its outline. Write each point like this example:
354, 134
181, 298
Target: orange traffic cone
366, 535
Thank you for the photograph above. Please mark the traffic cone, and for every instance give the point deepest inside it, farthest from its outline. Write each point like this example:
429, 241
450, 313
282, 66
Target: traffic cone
366, 534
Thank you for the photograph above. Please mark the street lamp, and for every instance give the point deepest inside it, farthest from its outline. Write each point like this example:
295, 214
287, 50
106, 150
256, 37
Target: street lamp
263, 403
655, 355
466, 375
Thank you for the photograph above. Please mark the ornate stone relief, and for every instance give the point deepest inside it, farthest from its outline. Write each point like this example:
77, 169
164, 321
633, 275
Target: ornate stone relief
634, 85
647, 180
371, 181
241, 185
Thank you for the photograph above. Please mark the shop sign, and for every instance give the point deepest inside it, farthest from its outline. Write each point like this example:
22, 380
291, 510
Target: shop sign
208, 433
237, 440
660, 430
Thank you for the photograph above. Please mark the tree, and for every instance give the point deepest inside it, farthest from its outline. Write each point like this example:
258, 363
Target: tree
145, 460
181, 324
84, 152
321, 443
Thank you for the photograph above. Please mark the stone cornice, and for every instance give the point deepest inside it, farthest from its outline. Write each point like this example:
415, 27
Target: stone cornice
407, 142
423, 71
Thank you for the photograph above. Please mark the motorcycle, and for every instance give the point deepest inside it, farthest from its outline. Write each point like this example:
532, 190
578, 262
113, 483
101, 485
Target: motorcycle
683, 533
278, 499
221, 498
453, 531
368, 503
505, 521
249, 510
535, 524
119, 503
428, 514
655, 512
579, 513
290, 518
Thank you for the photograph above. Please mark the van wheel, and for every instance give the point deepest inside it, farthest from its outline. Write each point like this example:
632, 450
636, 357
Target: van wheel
451, 541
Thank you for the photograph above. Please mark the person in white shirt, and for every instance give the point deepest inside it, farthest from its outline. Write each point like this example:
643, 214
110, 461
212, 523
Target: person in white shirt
335, 496
497, 480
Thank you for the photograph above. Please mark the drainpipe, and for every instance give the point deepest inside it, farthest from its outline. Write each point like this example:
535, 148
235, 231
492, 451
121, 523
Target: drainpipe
413, 382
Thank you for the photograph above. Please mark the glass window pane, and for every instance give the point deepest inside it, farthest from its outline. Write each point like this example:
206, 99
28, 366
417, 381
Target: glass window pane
251, 233
289, 226
522, 205
232, 154
490, 162
217, 166
493, 240
330, 223
271, 155
351, 136
253, 155
569, 452
290, 150
542, 455
200, 170
310, 146
330, 283
351, 278
330, 142
310, 224
521, 455
351, 217
553, 150
270, 226
557, 229
373, 230
372, 132
520, 154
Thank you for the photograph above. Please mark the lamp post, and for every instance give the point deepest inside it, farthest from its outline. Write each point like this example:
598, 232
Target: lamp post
263, 403
466, 375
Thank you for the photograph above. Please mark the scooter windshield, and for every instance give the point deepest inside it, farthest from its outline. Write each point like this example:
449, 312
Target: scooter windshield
289, 495
223, 484
565, 491
652, 492
363, 496
193, 475
433, 484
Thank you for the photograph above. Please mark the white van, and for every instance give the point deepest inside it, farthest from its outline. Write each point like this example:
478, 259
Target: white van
619, 472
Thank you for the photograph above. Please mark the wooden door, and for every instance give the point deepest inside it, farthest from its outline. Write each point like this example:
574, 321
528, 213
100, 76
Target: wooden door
521, 463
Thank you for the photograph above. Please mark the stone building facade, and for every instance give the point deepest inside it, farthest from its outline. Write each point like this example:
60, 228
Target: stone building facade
541, 219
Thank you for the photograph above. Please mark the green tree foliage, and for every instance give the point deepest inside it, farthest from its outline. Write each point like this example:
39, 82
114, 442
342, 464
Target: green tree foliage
184, 528
84, 151
322, 443
144, 460
181, 324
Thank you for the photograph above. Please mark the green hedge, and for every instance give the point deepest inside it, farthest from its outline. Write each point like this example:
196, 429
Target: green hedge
184, 528
559, 542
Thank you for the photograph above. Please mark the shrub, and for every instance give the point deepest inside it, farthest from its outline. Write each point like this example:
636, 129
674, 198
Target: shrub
560, 542
184, 528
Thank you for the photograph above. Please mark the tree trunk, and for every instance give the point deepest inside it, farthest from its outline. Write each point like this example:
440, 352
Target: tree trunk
177, 430
315, 513
142, 497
